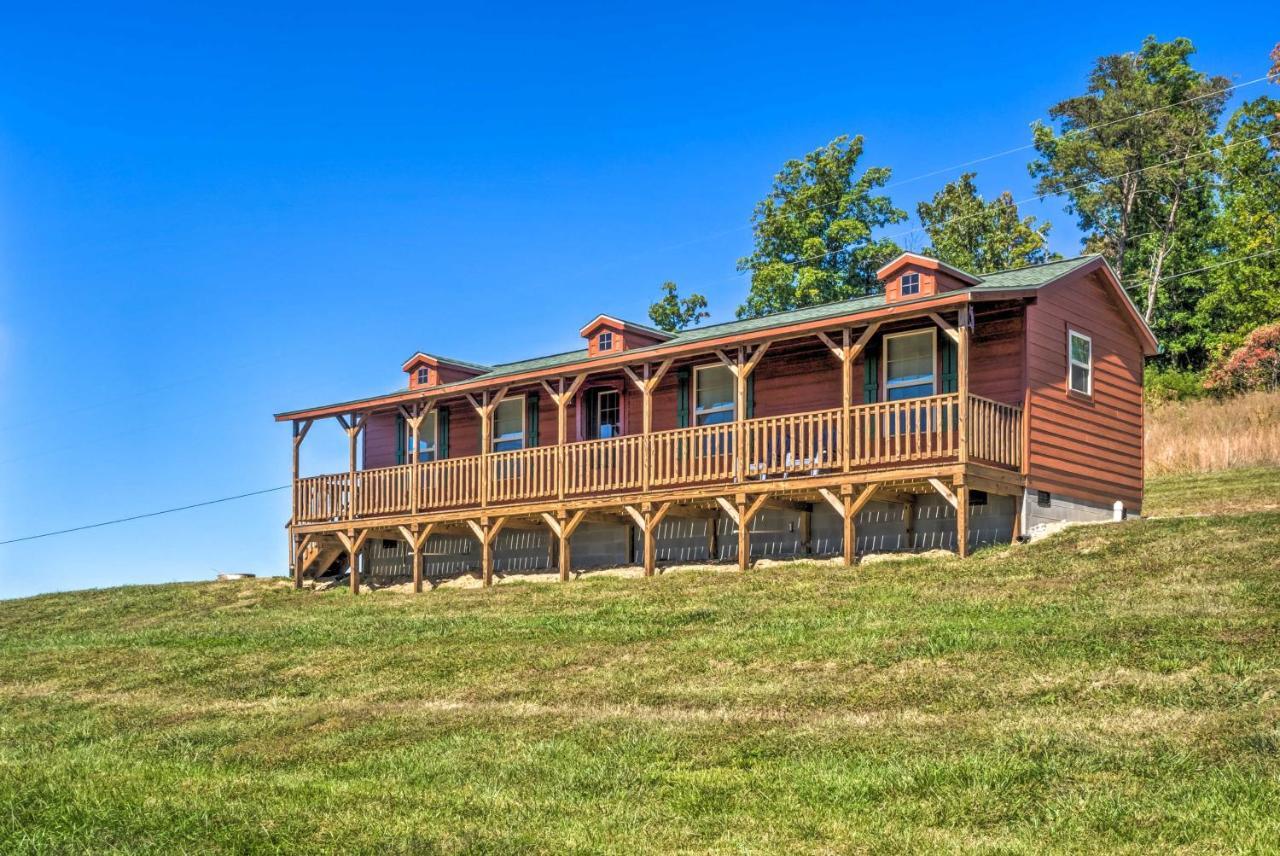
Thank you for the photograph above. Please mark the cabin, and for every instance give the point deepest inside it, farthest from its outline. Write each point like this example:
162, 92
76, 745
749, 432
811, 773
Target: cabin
948, 411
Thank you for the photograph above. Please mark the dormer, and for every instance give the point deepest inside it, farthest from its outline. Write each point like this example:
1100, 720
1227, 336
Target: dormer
607, 335
427, 370
911, 276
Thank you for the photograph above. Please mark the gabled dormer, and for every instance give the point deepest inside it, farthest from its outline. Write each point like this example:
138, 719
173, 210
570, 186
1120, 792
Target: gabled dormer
911, 276
427, 370
606, 335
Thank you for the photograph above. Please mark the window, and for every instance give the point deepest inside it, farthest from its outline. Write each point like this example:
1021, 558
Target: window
426, 439
1080, 348
604, 342
910, 284
1044, 499
712, 395
608, 413
424, 376
508, 425
909, 365
977, 497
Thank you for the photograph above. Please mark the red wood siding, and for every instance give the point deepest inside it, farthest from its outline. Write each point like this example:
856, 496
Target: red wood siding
379, 441
996, 354
1085, 447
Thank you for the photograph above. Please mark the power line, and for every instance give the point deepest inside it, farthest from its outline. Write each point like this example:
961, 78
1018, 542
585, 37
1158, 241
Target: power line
1270, 252
148, 514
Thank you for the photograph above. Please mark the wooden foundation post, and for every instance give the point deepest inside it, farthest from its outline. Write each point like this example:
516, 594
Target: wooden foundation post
647, 519
486, 532
353, 543
415, 537
562, 527
850, 536
909, 522
962, 520
1017, 519
806, 531
713, 537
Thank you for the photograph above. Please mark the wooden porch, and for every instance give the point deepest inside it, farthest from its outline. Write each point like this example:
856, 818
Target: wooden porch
842, 457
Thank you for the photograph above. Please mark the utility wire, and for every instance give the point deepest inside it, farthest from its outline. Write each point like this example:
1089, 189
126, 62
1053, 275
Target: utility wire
142, 516
1179, 275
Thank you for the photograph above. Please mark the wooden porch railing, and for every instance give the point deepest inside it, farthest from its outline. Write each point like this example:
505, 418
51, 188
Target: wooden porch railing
916, 430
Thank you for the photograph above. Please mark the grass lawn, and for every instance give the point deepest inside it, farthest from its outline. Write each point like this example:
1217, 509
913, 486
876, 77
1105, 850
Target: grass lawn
1111, 688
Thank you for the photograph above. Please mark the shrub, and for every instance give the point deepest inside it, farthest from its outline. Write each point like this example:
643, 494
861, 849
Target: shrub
1165, 385
1252, 367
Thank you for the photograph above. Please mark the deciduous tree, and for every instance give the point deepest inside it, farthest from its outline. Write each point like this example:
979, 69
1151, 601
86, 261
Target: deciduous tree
1134, 157
814, 237
972, 234
674, 313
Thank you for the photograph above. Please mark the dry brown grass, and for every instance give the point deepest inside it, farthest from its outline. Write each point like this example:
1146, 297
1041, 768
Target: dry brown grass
1205, 436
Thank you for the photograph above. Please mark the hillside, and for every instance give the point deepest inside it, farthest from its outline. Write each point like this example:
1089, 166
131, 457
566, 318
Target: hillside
1113, 687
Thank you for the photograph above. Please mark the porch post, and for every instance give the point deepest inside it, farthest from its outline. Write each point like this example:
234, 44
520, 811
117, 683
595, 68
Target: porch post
962, 520
846, 400
299, 434
647, 382
744, 534
962, 384
850, 531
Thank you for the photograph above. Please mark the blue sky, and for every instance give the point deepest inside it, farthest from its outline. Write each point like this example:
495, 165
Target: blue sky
210, 215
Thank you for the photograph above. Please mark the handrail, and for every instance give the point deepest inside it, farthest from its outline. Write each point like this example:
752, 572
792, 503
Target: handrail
796, 444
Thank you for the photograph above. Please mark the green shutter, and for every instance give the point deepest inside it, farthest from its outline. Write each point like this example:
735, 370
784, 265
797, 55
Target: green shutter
871, 376
442, 433
682, 396
531, 420
400, 438
950, 378
751, 396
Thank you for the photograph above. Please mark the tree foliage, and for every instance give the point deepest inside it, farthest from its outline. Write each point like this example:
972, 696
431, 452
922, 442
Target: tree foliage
1243, 287
674, 313
813, 232
1134, 157
979, 236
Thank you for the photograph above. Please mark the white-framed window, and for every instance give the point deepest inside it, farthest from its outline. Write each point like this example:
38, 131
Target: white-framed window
1080, 363
910, 365
426, 439
608, 413
604, 342
424, 376
713, 394
508, 425
910, 284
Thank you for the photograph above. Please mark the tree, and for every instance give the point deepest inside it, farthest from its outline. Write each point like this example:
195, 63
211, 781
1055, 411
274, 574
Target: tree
1275, 62
978, 236
813, 232
1244, 284
1133, 157
674, 313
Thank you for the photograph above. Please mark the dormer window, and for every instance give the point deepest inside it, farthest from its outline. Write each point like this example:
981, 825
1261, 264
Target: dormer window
604, 342
910, 284
424, 376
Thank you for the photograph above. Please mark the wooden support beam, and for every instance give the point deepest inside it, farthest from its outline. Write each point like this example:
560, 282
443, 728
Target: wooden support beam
1017, 520
635, 514
729, 509
744, 533
835, 349
863, 340
947, 326
832, 500
945, 491
849, 541
962, 520
713, 537
754, 507
754, 361
650, 532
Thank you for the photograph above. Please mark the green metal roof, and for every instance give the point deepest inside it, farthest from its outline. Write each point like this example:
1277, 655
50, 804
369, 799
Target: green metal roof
1030, 277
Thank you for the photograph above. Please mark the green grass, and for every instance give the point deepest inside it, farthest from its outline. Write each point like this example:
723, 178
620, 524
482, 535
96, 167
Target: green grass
1224, 492
1110, 688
